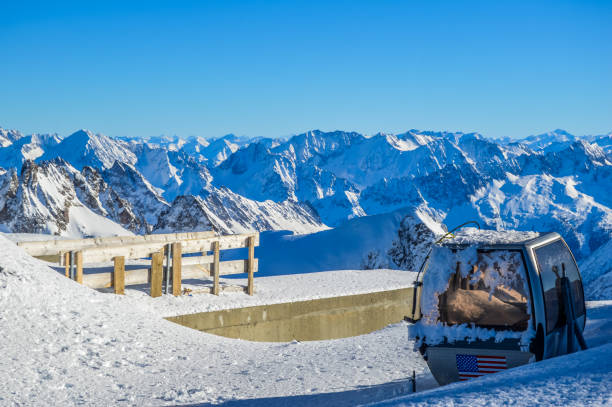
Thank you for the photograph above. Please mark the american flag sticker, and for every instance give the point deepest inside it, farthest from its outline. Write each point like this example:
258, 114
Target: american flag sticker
471, 366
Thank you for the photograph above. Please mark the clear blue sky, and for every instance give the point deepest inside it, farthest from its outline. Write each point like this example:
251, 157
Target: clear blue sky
278, 68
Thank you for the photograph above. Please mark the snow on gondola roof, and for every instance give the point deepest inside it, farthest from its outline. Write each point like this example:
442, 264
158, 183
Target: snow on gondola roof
474, 236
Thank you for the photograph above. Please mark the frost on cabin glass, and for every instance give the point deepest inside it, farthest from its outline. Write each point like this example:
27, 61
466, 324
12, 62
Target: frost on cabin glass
489, 293
474, 294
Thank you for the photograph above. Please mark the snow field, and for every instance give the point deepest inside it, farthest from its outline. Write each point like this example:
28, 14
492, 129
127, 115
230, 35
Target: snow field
580, 379
274, 290
65, 344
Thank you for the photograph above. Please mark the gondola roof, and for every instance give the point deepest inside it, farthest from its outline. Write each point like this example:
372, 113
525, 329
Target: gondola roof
474, 236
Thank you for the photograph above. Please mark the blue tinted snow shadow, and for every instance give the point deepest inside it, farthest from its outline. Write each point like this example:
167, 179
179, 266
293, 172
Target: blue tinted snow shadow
598, 329
284, 253
341, 248
360, 395
277, 254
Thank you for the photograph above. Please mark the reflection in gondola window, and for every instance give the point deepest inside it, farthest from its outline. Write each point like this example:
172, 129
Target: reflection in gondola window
553, 260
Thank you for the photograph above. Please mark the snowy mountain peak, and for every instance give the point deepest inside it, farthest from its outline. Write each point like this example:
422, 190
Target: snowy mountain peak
406, 141
44, 199
83, 148
201, 142
552, 141
8, 137
221, 149
591, 150
82, 134
415, 136
231, 138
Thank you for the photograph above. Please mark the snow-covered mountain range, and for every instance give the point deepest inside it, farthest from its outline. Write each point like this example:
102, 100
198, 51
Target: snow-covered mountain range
89, 183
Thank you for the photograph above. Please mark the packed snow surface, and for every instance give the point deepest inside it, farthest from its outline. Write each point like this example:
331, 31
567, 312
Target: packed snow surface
66, 344
273, 290
579, 379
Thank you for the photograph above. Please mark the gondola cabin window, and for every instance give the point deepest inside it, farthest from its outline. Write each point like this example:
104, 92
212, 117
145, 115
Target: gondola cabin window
553, 260
490, 293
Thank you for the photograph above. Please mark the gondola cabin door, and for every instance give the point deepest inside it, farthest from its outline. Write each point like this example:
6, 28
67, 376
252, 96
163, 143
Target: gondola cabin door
553, 260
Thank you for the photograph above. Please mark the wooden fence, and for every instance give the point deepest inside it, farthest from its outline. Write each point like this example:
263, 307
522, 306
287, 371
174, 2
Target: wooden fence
167, 263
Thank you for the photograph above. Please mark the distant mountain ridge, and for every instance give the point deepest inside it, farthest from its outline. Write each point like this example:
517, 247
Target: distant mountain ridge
309, 182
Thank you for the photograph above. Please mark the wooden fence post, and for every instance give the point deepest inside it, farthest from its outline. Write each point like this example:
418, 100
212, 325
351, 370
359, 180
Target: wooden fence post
67, 263
118, 276
72, 266
157, 261
166, 253
216, 267
79, 267
251, 265
176, 268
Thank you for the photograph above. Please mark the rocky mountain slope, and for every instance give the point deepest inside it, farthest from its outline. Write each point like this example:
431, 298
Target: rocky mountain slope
226, 212
53, 197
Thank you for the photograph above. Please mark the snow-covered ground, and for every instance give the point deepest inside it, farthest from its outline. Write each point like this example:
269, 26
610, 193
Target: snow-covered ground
67, 344
579, 379
64, 344
270, 290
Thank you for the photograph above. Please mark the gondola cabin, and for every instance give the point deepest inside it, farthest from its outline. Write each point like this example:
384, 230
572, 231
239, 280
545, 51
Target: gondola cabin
490, 301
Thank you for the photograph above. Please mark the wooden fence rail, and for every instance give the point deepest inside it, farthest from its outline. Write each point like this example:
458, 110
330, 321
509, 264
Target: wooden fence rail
106, 253
141, 276
166, 254
53, 248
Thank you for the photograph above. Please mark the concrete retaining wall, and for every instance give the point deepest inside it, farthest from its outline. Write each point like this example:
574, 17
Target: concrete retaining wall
326, 318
